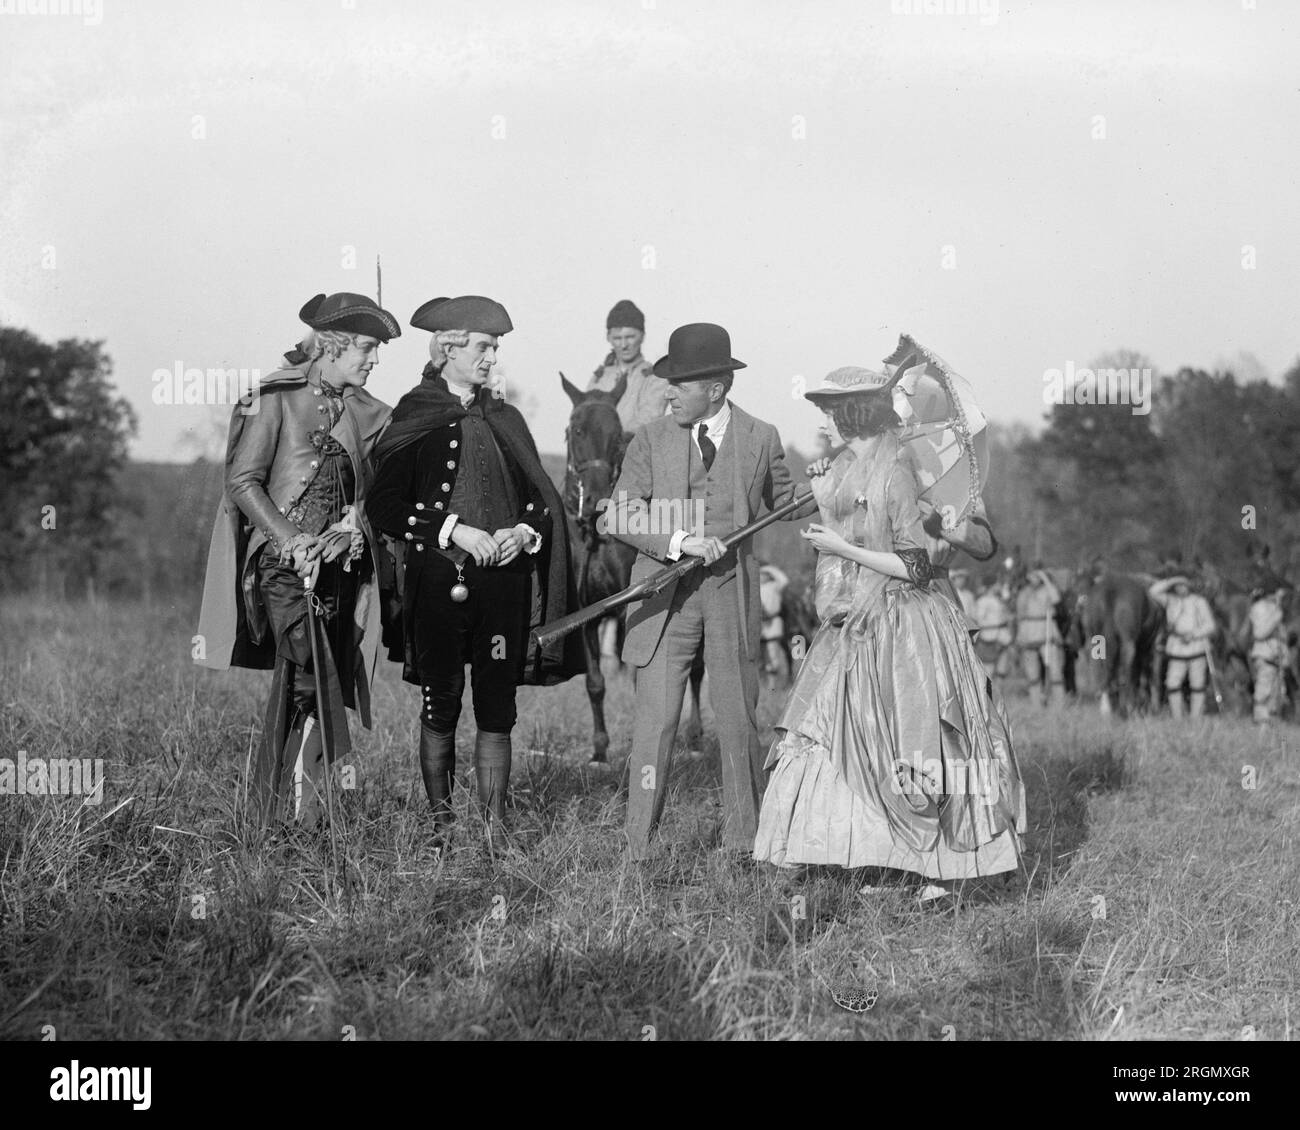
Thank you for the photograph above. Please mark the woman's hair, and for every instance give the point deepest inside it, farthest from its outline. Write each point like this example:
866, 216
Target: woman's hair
332, 342
864, 414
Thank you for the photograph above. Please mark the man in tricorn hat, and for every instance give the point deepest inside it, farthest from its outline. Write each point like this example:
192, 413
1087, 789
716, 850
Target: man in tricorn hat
483, 547
291, 512
645, 396
713, 468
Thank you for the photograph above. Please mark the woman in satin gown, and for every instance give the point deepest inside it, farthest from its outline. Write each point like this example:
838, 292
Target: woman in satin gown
891, 752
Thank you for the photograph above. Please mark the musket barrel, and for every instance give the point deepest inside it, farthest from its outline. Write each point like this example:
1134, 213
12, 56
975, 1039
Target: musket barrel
652, 584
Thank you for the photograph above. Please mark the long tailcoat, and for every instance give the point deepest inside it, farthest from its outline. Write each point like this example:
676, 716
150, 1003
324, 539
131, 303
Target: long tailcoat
269, 459
657, 466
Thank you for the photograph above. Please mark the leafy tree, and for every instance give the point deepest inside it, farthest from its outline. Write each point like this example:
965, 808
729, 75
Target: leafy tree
1100, 473
63, 438
1201, 420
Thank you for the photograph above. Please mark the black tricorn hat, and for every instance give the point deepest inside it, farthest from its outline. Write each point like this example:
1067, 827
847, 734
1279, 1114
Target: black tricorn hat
699, 349
353, 313
470, 312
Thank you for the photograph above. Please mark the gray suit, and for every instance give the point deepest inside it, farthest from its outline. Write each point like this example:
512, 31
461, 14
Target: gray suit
664, 487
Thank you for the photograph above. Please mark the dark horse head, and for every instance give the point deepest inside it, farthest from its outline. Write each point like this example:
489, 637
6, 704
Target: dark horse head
595, 443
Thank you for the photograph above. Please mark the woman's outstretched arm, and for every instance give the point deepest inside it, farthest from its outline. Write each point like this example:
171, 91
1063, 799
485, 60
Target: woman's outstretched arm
906, 564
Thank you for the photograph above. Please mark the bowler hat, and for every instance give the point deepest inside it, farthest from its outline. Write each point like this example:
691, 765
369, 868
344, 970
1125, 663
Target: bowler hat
471, 312
697, 350
352, 313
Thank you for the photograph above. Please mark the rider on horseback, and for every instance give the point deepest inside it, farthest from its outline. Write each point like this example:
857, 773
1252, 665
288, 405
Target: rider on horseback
643, 396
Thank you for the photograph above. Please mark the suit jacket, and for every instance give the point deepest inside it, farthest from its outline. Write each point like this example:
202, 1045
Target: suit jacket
269, 462
657, 466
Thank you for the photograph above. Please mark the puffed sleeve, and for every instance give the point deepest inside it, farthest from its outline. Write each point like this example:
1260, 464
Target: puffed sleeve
905, 525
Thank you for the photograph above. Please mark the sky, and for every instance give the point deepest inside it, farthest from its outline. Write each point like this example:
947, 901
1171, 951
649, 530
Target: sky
1018, 185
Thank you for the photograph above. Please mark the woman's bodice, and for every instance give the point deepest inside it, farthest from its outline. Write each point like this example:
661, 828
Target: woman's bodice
870, 501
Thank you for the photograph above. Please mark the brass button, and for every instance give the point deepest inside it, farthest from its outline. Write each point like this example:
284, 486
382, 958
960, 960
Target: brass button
437, 505
446, 486
411, 520
454, 423
419, 505
409, 535
419, 547
315, 392
451, 464
314, 463
529, 506
455, 443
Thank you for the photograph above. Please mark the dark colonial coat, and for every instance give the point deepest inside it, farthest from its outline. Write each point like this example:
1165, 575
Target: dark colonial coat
417, 460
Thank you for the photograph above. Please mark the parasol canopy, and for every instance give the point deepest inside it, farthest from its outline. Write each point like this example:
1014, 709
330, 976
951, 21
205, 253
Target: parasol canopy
944, 431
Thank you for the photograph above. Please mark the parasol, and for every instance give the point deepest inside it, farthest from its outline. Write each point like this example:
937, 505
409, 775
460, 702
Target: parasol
945, 433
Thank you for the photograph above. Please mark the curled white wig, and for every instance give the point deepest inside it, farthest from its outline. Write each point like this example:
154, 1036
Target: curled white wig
441, 342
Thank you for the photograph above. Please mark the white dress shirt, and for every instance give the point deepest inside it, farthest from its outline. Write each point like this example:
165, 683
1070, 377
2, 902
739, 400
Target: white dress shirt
717, 428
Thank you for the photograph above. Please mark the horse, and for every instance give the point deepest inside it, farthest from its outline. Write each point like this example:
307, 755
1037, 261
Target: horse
1116, 612
595, 443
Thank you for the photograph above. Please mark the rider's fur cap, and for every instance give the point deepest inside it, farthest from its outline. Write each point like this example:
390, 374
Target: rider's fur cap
624, 314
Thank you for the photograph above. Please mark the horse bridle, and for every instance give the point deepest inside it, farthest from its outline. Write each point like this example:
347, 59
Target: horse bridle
574, 471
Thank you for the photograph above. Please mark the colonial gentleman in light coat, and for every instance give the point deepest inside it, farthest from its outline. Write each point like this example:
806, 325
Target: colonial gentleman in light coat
291, 512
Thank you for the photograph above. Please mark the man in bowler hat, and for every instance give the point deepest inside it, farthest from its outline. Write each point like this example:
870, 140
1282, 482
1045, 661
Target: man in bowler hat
482, 550
713, 467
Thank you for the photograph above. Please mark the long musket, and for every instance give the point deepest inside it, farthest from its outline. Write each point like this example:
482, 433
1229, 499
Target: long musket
1214, 679
656, 582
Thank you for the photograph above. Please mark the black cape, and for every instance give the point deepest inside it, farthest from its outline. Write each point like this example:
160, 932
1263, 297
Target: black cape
432, 405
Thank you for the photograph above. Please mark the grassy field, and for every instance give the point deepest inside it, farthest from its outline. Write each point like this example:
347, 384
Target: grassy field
1159, 900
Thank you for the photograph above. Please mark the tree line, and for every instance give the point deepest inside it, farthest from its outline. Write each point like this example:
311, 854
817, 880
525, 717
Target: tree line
1209, 471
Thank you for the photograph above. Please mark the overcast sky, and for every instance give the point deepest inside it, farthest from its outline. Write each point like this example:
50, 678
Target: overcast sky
1018, 190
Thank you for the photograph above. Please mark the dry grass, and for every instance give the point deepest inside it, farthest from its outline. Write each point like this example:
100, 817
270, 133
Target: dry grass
562, 939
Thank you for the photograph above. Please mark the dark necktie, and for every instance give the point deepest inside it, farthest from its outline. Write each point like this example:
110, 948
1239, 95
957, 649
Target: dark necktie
707, 447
